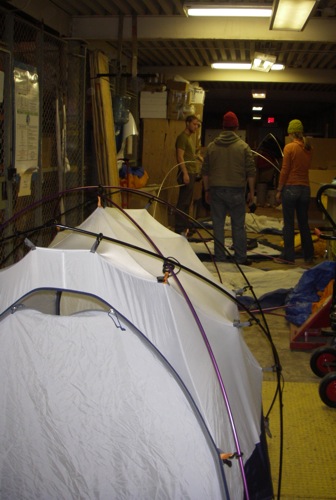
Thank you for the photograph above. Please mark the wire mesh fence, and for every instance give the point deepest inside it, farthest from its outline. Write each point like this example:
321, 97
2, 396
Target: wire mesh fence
60, 69
63, 139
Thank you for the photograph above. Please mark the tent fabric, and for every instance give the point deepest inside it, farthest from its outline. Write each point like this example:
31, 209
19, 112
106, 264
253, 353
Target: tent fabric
69, 377
114, 224
171, 316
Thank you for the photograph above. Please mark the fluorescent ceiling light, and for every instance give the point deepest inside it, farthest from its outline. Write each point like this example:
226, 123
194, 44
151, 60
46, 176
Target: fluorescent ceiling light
257, 108
263, 62
256, 94
212, 9
242, 65
291, 15
277, 67
231, 65
256, 117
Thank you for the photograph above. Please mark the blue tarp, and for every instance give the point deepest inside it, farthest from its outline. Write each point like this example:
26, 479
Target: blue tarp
300, 299
276, 298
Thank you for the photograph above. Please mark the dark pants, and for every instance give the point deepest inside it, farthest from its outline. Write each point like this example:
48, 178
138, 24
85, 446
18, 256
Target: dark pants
229, 201
295, 201
184, 201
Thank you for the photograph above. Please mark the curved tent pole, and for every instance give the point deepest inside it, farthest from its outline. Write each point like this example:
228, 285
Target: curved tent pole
172, 263
209, 349
152, 198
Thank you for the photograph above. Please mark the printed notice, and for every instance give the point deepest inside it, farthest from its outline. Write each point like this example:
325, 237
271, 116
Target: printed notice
26, 125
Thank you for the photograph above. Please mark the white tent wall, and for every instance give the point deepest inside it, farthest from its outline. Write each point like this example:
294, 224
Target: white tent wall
89, 411
124, 226
215, 311
126, 280
209, 303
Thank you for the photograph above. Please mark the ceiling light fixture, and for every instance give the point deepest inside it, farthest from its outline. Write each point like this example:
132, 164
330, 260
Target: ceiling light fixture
257, 108
291, 15
242, 65
255, 117
263, 62
231, 65
215, 10
258, 94
277, 67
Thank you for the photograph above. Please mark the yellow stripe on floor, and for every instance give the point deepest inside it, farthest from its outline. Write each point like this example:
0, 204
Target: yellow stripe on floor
309, 442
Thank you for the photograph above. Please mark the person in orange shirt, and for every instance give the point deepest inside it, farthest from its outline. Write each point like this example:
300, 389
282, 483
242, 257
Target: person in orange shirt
294, 193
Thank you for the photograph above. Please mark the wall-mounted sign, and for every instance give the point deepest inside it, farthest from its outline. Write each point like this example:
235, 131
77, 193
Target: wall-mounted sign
26, 115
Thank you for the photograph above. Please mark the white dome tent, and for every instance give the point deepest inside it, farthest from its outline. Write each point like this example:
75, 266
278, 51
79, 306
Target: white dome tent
124, 382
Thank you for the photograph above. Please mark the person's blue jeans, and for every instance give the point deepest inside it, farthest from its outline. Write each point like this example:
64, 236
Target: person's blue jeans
295, 201
229, 201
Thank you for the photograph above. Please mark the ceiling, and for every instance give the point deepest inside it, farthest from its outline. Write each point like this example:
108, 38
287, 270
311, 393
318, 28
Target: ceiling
143, 37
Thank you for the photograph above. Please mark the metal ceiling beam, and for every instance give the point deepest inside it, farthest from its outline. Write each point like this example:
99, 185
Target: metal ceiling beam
280, 96
193, 74
176, 27
99, 30
47, 13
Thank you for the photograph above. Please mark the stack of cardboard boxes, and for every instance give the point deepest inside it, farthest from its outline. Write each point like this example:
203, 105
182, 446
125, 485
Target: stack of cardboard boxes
176, 103
184, 99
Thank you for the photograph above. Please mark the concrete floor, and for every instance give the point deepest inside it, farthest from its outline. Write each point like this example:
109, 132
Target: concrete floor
307, 422
295, 364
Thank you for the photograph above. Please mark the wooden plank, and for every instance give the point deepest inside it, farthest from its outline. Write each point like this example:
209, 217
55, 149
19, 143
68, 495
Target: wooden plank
159, 157
103, 124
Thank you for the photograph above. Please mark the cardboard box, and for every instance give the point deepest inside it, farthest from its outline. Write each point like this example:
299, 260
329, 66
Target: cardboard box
180, 115
177, 97
179, 106
180, 86
198, 110
318, 178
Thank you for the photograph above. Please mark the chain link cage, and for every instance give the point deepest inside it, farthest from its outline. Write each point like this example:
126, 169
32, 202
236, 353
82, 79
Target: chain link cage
60, 66
59, 190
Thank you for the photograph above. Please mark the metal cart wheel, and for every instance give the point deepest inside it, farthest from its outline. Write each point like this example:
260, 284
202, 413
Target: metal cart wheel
327, 389
323, 360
